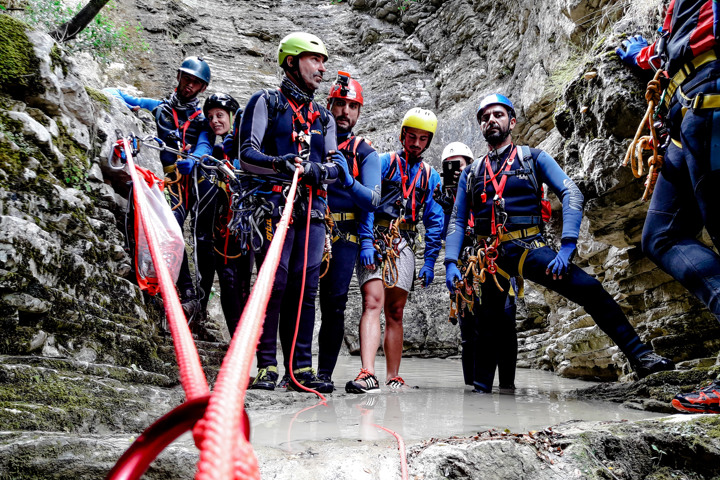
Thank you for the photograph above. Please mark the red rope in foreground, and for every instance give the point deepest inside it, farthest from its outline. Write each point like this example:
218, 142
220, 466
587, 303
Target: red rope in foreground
224, 454
192, 377
401, 447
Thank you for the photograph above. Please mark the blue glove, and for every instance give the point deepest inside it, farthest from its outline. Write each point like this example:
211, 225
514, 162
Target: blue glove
185, 165
367, 254
427, 274
562, 260
452, 276
236, 164
630, 49
345, 177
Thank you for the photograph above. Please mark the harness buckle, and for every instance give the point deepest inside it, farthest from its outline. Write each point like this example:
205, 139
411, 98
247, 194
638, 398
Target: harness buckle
697, 101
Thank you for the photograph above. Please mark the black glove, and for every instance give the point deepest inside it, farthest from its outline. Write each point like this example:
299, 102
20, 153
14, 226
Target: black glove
285, 164
314, 173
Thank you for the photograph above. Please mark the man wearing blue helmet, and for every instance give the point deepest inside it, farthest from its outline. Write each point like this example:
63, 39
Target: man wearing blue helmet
502, 192
181, 125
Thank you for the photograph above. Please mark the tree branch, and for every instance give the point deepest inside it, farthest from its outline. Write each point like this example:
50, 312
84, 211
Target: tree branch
72, 28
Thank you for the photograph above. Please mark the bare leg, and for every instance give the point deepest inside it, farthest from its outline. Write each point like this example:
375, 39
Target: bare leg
395, 299
373, 295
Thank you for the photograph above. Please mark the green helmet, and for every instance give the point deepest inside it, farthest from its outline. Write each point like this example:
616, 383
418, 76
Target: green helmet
300, 42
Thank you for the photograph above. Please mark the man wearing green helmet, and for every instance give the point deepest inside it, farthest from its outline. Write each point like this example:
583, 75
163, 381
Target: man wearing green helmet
281, 131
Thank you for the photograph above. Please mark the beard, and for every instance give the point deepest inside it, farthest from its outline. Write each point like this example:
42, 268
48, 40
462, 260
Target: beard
496, 137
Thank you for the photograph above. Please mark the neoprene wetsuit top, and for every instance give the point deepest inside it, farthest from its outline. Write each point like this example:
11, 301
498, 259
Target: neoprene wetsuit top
522, 199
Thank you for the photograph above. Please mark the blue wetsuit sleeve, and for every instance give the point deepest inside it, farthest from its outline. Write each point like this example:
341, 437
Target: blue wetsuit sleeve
203, 146
549, 172
252, 132
365, 228
458, 221
433, 219
366, 191
142, 102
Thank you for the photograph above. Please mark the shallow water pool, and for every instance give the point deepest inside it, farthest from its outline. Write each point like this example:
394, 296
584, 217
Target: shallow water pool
441, 407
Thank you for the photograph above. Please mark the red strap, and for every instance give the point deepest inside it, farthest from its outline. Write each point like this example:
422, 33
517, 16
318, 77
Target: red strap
343, 146
409, 190
304, 124
185, 124
499, 188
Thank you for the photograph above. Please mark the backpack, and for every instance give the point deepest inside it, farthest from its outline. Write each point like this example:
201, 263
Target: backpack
527, 162
274, 108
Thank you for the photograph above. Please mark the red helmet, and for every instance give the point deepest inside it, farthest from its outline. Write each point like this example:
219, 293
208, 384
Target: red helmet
346, 88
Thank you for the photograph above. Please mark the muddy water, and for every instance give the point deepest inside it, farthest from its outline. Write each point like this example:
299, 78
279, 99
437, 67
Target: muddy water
441, 407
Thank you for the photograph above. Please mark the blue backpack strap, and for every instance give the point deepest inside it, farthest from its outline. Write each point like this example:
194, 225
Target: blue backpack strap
524, 155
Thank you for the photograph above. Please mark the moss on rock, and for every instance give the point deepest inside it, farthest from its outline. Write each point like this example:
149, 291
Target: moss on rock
99, 97
19, 67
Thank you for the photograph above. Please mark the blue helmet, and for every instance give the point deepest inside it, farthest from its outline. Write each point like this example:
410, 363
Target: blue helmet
495, 99
197, 67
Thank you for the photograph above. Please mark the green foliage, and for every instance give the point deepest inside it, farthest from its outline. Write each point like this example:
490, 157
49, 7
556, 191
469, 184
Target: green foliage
104, 38
19, 67
403, 5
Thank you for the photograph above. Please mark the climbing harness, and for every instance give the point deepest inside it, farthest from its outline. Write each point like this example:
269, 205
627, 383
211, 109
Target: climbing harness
657, 141
327, 249
660, 92
387, 250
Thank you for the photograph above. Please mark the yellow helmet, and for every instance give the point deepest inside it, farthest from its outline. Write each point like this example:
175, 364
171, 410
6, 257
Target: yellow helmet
421, 119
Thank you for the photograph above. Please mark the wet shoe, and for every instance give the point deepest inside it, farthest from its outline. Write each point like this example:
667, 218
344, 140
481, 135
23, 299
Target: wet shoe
307, 378
481, 388
265, 379
365, 382
398, 384
326, 378
283, 383
649, 363
506, 389
706, 400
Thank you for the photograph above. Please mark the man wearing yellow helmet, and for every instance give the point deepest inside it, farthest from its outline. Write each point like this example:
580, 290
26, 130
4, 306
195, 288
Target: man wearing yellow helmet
387, 237
283, 130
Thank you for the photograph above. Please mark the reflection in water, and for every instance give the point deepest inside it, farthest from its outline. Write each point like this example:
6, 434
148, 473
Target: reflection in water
441, 407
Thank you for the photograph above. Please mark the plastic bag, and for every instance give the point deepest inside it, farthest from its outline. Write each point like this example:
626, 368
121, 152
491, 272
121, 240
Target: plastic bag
168, 235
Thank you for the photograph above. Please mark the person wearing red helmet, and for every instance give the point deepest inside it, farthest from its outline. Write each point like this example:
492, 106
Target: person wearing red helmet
359, 191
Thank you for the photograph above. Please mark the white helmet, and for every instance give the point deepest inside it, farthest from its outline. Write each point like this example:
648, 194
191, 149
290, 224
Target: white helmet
457, 148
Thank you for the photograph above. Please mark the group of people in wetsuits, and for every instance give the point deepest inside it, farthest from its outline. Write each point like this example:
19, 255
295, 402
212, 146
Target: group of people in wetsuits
360, 211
